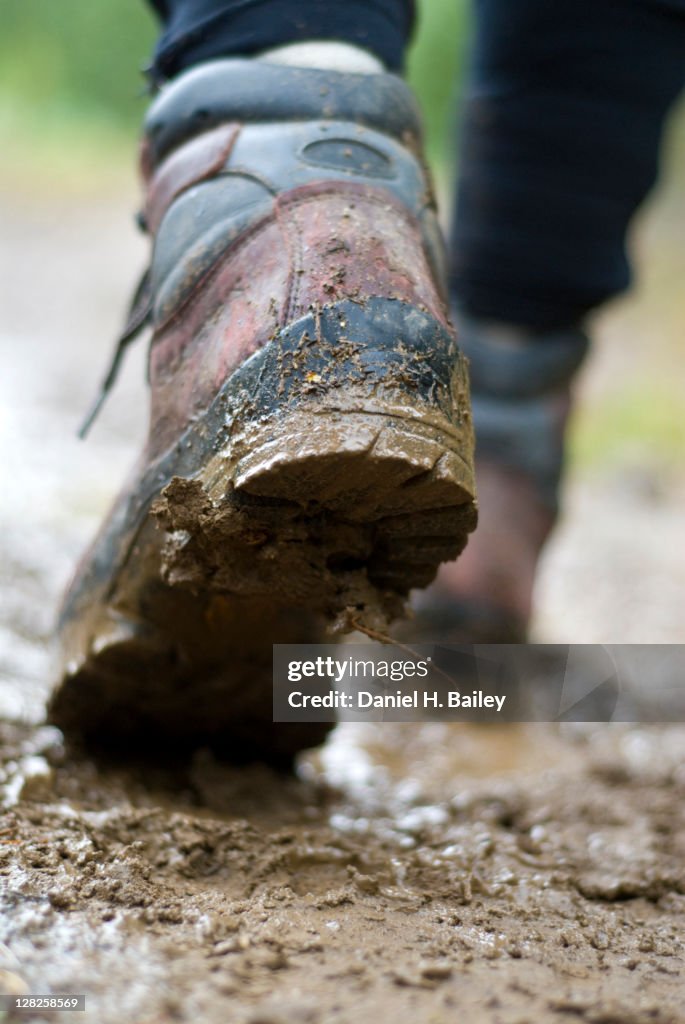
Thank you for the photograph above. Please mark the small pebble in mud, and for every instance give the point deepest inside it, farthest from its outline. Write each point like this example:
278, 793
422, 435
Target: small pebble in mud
600, 940
439, 970
61, 899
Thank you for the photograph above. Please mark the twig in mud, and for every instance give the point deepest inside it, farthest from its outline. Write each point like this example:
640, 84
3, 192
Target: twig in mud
383, 638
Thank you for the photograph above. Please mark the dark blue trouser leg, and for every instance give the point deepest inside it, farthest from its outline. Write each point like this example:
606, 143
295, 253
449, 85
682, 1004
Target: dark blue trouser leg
197, 30
563, 120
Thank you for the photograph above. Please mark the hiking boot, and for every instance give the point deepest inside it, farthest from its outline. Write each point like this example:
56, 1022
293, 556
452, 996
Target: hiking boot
309, 458
521, 403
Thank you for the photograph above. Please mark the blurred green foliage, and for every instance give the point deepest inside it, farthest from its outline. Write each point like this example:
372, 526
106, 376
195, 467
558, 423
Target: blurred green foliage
436, 64
74, 66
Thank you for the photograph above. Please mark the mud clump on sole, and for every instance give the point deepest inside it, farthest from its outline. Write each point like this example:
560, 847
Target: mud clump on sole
326, 546
265, 531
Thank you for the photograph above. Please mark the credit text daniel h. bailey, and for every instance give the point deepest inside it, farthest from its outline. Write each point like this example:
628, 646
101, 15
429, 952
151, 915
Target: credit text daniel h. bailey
351, 670
361, 700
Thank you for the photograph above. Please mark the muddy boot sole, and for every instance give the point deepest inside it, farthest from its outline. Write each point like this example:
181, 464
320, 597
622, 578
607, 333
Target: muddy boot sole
331, 475
390, 506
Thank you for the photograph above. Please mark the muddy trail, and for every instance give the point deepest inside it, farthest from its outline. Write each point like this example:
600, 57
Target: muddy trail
388, 878
424, 873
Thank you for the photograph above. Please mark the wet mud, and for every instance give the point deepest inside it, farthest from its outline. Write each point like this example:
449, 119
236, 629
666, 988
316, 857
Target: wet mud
428, 873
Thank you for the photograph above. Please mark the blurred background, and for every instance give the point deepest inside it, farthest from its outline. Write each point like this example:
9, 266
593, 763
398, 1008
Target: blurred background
71, 99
